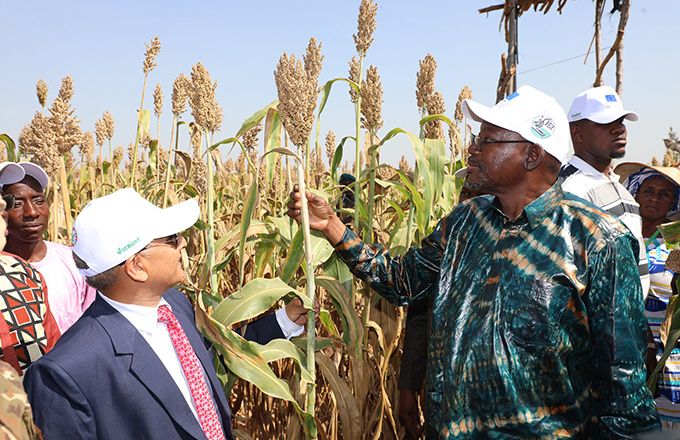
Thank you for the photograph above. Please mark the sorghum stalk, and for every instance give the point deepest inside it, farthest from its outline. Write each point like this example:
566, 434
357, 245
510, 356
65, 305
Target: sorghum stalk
210, 201
173, 138
310, 398
152, 50
357, 159
297, 89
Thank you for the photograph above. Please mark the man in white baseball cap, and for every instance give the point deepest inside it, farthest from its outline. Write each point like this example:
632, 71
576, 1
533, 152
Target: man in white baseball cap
27, 219
134, 365
538, 327
599, 135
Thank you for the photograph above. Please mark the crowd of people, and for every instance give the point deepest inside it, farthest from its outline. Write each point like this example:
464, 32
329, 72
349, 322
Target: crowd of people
542, 296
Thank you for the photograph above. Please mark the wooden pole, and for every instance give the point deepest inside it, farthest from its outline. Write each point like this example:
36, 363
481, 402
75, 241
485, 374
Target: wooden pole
513, 58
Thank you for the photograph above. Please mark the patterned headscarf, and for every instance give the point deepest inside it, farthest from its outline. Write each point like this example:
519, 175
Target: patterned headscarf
634, 181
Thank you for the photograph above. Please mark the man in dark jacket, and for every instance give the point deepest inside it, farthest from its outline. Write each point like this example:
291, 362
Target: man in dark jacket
134, 365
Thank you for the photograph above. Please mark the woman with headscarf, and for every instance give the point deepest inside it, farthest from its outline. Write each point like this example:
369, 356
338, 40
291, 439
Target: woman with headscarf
657, 190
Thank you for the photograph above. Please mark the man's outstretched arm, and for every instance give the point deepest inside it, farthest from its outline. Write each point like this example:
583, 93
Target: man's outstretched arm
399, 279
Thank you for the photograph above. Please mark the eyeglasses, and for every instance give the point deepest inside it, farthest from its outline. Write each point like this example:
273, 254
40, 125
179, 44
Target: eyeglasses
478, 142
9, 201
171, 240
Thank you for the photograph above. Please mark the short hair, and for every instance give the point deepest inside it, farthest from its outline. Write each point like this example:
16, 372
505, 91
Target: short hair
101, 281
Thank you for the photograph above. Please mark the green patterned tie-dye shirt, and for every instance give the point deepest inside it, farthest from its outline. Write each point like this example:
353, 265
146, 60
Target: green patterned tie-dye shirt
538, 327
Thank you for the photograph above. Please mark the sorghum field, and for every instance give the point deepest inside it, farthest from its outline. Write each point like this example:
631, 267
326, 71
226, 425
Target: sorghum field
245, 255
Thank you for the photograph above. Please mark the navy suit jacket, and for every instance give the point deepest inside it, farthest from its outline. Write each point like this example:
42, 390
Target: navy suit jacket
103, 381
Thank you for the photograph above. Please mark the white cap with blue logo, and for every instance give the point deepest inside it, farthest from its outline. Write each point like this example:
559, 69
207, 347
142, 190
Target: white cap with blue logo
535, 116
601, 105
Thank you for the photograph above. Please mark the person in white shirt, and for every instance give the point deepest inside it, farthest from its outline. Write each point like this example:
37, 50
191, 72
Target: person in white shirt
69, 294
599, 135
134, 365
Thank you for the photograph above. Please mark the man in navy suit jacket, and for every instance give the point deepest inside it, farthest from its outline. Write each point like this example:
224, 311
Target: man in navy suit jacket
117, 373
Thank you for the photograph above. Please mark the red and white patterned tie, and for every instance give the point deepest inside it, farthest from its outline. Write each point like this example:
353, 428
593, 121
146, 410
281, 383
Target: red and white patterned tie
205, 407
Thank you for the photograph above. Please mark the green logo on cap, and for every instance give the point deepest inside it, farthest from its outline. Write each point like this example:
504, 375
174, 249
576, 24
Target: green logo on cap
542, 127
122, 249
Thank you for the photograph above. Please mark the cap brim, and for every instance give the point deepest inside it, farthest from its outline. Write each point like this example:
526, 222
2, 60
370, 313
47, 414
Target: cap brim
625, 169
481, 113
36, 172
11, 173
611, 116
177, 218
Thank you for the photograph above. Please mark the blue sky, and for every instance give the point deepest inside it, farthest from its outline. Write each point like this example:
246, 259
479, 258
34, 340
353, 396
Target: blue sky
101, 44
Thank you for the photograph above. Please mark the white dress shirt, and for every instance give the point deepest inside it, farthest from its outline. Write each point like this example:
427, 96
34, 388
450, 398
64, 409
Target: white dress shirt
145, 320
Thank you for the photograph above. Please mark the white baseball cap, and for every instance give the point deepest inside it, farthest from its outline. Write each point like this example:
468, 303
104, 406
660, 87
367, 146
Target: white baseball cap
113, 228
601, 105
10, 173
537, 117
37, 172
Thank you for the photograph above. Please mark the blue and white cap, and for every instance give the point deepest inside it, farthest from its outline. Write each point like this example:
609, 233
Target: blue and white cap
601, 105
532, 114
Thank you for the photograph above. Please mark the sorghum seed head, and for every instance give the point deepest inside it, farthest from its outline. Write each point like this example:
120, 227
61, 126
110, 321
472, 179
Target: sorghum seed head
41, 92
371, 100
109, 124
250, 137
297, 98
425, 80
100, 131
204, 107
158, 101
152, 50
365, 26
435, 106
180, 92
465, 93
354, 73
330, 146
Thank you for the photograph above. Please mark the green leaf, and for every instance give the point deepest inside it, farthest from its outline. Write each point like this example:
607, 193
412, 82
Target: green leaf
143, 122
284, 349
327, 322
337, 158
272, 140
263, 256
338, 270
326, 90
10, 148
230, 140
201, 225
153, 155
253, 299
285, 151
246, 217
243, 359
255, 119
284, 227
233, 236
443, 118
321, 251
353, 330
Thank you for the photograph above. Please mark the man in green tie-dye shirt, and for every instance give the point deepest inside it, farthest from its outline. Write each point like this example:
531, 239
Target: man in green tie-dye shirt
538, 329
